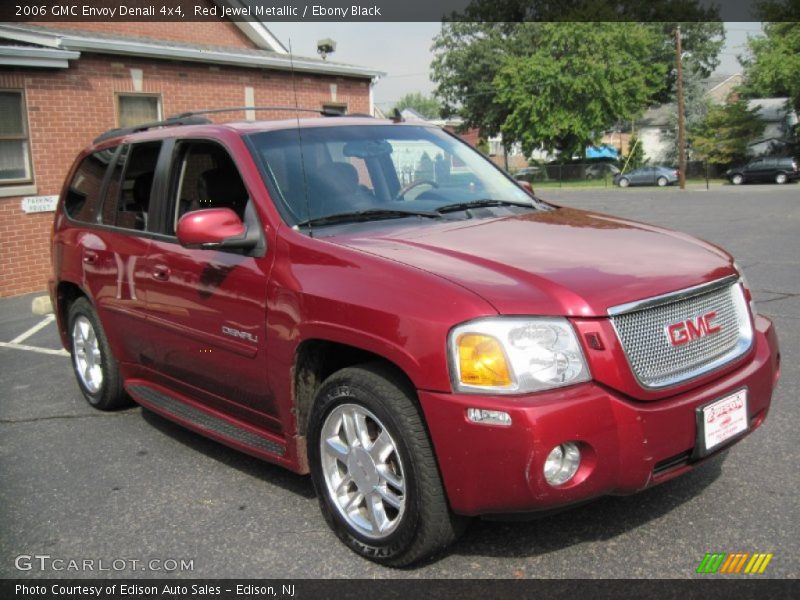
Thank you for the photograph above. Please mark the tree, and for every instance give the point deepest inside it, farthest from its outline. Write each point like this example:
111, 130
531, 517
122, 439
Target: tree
724, 135
695, 105
472, 48
635, 157
576, 80
426, 106
772, 67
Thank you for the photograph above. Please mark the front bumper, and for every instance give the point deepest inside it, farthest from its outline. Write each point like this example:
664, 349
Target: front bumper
626, 445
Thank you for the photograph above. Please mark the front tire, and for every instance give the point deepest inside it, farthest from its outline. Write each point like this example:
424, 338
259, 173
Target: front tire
623, 183
374, 470
95, 367
737, 179
781, 178
662, 181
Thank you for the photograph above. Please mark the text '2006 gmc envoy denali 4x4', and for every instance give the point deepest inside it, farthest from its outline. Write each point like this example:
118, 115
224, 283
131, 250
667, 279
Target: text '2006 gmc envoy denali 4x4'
377, 304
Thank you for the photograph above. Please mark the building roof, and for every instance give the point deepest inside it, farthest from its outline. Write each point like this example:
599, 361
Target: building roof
255, 31
772, 110
78, 41
656, 116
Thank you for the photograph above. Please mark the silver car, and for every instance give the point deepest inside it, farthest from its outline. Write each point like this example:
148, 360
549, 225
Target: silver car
660, 176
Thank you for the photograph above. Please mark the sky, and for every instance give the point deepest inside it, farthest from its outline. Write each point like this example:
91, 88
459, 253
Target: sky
403, 50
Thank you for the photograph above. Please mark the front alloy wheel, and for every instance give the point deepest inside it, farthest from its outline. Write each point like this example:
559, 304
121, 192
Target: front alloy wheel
780, 178
373, 467
737, 179
363, 471
623, 183
662, 181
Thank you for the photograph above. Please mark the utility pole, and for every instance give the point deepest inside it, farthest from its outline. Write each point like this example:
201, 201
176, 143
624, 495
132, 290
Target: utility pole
681, 132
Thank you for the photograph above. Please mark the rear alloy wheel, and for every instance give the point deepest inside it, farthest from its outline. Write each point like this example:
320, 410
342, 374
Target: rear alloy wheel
374, 470
95, 368
737, 179
662, 181
623, 183
781, 178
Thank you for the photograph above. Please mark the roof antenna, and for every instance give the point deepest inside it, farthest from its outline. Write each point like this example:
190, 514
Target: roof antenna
300, 141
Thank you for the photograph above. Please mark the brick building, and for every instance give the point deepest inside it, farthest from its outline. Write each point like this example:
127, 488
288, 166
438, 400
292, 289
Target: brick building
62, 84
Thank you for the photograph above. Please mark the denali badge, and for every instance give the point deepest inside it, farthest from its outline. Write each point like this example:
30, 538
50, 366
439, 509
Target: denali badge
245, 335
684, 332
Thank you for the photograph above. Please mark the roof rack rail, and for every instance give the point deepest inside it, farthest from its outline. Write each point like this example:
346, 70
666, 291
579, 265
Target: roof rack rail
194, 118
320, 111
170, 122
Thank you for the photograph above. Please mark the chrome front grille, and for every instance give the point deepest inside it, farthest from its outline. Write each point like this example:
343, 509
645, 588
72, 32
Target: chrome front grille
642, 328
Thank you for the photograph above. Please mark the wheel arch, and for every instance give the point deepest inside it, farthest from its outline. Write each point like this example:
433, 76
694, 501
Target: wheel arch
317, 359
67, 292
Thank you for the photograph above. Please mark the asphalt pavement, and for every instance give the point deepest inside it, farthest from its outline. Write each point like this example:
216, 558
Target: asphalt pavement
143, 497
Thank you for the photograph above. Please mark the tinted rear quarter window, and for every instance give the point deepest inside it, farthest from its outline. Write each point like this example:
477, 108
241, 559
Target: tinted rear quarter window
84, 195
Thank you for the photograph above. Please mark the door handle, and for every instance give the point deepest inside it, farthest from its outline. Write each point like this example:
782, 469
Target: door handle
161, 272
89, 257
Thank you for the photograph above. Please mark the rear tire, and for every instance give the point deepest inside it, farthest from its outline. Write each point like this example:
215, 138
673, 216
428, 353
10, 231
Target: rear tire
95, 367
737, 179
374, 470
781, 178
623, 183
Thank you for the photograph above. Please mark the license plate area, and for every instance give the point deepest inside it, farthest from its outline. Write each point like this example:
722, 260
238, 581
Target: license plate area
720, 422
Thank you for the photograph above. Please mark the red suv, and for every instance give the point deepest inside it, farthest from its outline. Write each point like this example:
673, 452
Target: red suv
377, 304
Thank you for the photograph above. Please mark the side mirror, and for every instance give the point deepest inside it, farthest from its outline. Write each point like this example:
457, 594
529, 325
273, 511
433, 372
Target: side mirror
525, 186
213, 228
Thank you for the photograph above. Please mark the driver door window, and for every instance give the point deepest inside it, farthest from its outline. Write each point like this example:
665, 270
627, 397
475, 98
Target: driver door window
206, 177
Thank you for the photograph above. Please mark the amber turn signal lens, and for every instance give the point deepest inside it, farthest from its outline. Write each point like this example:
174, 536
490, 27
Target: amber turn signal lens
482, 362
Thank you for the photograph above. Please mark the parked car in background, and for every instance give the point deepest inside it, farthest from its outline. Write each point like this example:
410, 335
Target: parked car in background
600, 170
779, 169
655, 175
531, 174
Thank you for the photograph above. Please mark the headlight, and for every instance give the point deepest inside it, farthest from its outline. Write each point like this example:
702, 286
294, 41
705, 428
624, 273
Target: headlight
514, 355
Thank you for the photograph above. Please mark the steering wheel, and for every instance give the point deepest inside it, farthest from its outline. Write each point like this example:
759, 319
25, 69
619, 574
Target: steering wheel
407, 188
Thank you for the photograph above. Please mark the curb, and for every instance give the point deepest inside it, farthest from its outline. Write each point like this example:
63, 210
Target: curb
42, 305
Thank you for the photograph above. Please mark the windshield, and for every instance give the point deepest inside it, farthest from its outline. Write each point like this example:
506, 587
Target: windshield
377, 170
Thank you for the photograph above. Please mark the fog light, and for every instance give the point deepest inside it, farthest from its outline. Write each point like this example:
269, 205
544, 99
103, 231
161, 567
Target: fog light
489, 417
562, 463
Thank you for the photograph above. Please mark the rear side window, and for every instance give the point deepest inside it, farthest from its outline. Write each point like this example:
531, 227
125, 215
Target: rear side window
84, 195
130, 188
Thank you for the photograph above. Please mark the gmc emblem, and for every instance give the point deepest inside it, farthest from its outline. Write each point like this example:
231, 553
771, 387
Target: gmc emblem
684, 332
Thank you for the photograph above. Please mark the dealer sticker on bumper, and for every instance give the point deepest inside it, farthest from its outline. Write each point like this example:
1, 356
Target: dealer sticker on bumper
724, 419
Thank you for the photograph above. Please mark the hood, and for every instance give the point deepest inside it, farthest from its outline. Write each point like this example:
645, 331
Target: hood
559, 262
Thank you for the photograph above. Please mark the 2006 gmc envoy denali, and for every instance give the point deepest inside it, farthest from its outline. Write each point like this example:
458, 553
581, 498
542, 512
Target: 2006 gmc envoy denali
377, 304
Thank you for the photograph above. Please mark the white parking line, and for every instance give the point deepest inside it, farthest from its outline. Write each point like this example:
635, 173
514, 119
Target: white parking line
39, 326
61, 352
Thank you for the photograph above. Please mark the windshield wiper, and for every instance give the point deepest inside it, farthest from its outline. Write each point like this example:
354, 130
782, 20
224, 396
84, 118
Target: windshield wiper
483, 203
372, 214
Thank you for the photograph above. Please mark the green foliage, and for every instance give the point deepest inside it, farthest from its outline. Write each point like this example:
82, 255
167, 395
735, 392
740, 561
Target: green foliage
576, 80
471, 50
426, 106
701, 43
723, 136
635, 157
467, 58
772, 67
695, 109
